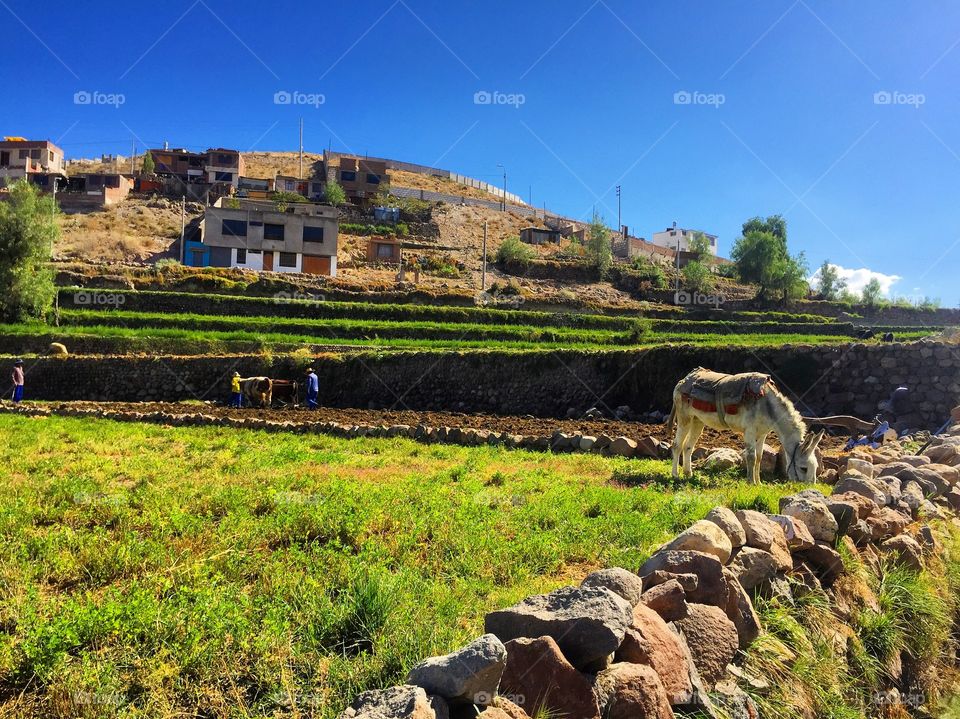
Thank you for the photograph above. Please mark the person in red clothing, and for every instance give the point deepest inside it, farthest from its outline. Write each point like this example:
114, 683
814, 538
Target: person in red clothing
17, 378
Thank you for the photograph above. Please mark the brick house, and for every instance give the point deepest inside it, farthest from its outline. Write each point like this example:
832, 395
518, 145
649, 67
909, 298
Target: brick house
223, 166
40, 161
360, 178
384, 250
96, 189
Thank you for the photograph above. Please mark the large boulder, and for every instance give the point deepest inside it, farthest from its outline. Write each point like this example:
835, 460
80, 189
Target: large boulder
703, 536
628, 691
814, 514
905, 550
848, 508
622, 447
711, 585
723, 458
468, 676
871, 489
752, 567
863, 466
825, 562
728, 522
401, 702
669, 600
588, 623
539, 678
712, 639
740, 611
795, 531
763, 533
649, 641
618, 580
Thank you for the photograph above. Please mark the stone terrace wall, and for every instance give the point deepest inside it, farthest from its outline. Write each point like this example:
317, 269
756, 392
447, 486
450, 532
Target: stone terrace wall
847, 379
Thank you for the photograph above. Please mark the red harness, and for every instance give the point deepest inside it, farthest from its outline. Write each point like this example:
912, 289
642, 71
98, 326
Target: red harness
705, 406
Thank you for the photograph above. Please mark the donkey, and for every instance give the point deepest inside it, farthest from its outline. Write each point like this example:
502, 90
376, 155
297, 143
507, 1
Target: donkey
749, 404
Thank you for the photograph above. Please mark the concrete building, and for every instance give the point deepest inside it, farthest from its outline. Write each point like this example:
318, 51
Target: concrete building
540, 235
96, 189
224, 166
672, 236
384, 250
360, 178
255, 235
188, 166
20, 158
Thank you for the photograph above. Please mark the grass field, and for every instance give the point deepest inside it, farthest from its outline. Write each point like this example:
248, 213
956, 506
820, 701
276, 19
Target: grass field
149, 571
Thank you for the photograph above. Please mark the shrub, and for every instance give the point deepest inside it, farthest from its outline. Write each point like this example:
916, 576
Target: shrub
648, 271
513, 250
697, 277
28, 231
333, 194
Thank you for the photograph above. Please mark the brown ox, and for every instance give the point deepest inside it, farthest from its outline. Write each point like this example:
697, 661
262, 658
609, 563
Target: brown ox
258, 391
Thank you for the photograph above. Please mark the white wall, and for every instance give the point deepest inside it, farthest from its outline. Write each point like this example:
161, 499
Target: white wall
666, 239
254, 261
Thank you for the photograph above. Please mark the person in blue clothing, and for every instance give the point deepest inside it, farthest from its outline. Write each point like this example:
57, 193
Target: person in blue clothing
17, 378
313, 388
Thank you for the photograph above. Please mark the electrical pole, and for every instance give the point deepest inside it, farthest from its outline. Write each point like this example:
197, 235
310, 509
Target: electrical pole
504, 201
301, 148
619, 221
483, 274
183, 226
132, 155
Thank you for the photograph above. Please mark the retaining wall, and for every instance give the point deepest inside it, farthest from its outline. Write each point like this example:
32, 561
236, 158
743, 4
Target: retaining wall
846, 379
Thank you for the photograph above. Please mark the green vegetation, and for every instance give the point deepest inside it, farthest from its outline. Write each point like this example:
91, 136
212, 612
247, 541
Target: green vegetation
513, 250
762, 259
28, 231
333, 194
831, 285
598, 250
153, 571
355, 228
283, 198
148, 164
872, 295
697, 274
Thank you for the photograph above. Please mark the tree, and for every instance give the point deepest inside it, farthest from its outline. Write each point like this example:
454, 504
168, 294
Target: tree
513, 250
831, 284
599, 248
775, 225
790, 277
333, 194
758, 255
700, 245
697, 277
28, 229
148, 164
872, 294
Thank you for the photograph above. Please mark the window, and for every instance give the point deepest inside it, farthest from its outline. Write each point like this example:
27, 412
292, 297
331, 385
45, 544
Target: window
234, 228
35, 154
373, 179
288, 259
348, 176
272, 232
223, 160
312, 233
223, 176
24, 154
111, 181
241, 256
4, 158
384, 251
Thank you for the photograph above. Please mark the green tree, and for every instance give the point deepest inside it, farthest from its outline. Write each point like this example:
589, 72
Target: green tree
830, 284
775, 225
758, 254
697, 277
599, 249
700, 245
872, 295
148, 165
333, 194
28, 230
513, 250
790, 278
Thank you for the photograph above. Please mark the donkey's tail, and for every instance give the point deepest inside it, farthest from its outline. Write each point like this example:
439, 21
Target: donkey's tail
672, 418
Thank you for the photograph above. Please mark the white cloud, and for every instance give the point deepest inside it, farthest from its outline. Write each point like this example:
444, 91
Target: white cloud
858, 279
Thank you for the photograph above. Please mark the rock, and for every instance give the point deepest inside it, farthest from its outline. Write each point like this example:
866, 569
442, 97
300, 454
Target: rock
862, 466
703, 536
752, 566
712, 639
863, 506
468, 676
539, 678
765, 534
669, 600
587, 443
728, 522
950, 474
860, 533
688, 580
740, 611
912, 495
887, 523
777, 587
825, 562
942, 454
622, 447
814, 514
915, 460
588, 623
928, 540
905, 551
511, 710
723, 458
735, 702
794, 531
649, 641
711, 585
872, 490
619, 581
805, 580
628, 691
401, 702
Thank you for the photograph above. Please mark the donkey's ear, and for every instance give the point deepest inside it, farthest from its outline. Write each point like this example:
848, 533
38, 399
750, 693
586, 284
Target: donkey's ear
815, 441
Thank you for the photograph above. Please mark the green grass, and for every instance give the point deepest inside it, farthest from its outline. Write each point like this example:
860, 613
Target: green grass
155, 571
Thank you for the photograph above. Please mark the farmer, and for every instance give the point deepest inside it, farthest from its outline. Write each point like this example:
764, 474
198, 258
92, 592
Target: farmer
17, 377
313, 388
236, 396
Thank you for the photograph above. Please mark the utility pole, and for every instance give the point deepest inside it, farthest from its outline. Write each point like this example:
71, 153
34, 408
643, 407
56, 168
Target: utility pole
504, 202
619, 221
301, 149
183, 227
678, 266
133, 153
483, 274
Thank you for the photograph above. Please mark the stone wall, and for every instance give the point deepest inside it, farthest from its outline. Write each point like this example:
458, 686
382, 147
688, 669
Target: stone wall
822, 380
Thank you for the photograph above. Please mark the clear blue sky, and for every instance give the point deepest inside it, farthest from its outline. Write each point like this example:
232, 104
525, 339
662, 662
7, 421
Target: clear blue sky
786, 119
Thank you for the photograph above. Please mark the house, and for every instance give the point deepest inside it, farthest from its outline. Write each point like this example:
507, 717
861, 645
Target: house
539, 235
188, 166
360, 178
674, 236
288, 183
224, 166
384, 250
97, 189
256, 235
38, 160
254, 187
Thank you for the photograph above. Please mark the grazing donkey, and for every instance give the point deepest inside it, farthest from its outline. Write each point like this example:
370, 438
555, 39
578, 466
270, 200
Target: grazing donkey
746, 403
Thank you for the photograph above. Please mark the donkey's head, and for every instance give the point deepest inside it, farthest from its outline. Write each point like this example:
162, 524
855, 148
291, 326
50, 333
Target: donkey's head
803, 465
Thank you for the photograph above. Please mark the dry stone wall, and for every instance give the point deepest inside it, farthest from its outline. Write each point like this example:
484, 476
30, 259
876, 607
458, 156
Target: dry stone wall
822, 380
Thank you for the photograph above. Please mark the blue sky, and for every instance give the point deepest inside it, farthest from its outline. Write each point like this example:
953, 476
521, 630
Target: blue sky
841, 116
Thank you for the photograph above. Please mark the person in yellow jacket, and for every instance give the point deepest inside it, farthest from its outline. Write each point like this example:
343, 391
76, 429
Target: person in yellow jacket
236, 396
